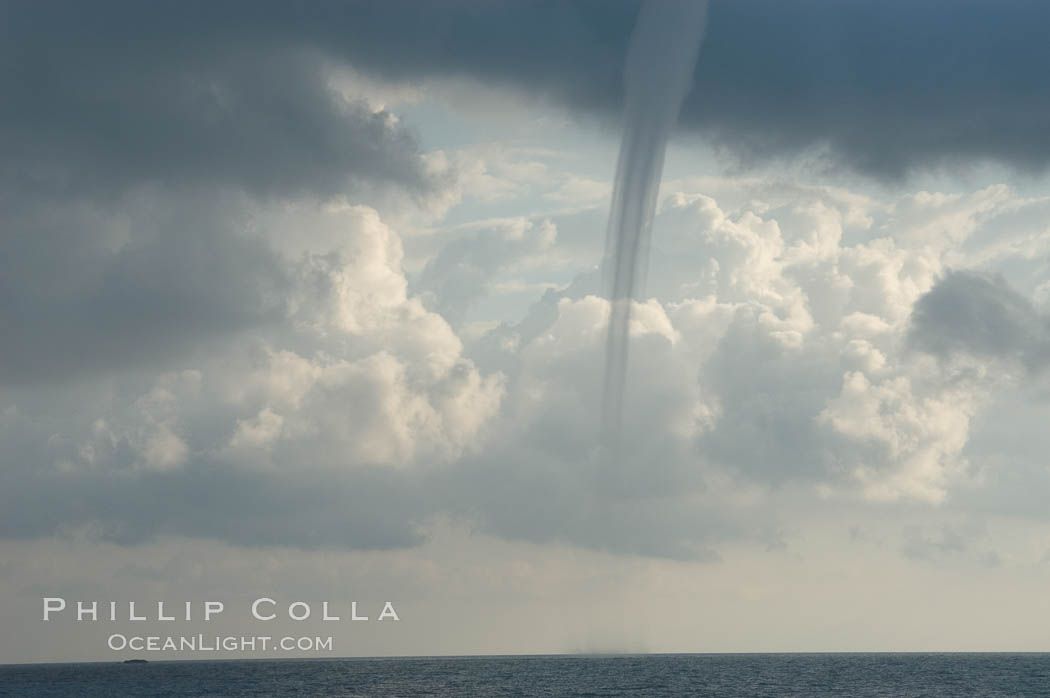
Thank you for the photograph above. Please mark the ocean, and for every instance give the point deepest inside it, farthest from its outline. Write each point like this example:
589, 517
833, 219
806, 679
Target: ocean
767, 675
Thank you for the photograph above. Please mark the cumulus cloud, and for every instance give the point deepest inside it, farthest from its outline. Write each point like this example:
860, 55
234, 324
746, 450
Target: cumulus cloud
786, 334
299, 421
775, 361
465, 269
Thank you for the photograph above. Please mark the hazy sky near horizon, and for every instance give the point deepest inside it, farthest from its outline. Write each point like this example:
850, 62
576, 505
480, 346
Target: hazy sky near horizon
302, 300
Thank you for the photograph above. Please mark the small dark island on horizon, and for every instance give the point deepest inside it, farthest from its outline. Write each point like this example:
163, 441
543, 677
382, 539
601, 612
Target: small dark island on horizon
135, 661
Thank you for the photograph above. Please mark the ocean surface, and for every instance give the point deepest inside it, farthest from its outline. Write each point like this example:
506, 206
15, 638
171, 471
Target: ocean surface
767, 675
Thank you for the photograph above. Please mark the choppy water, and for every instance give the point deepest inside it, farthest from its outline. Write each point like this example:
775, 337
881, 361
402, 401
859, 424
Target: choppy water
770, 675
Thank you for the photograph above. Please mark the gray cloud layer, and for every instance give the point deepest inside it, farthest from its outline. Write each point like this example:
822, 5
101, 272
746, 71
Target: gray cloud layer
883, 88
102, 97
976, 314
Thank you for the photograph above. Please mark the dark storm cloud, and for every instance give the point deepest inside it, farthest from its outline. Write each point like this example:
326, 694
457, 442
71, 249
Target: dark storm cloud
100, 97
135, 141
883, 87
886, 87
979, 315
232, 90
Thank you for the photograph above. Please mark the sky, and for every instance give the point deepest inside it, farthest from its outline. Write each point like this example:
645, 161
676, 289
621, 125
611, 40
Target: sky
303, 300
